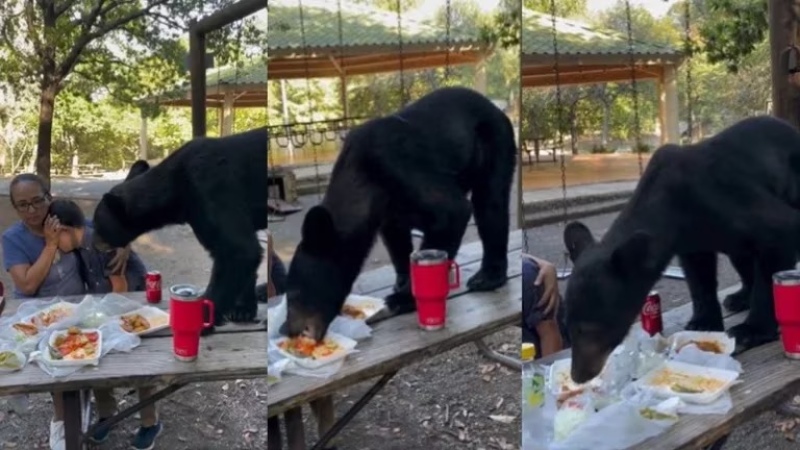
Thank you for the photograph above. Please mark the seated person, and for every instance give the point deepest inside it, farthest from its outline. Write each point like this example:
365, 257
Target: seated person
276, 277
541, 306
76, 237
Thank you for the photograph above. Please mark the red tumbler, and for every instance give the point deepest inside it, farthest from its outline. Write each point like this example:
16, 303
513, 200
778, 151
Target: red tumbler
786, 292
186, 310
432, 277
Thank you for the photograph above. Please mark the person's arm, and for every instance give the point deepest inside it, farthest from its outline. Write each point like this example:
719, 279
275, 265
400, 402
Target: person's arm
27, 278
135, 273
271, 291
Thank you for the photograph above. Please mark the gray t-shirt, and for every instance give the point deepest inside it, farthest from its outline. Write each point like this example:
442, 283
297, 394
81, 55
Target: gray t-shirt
20, 246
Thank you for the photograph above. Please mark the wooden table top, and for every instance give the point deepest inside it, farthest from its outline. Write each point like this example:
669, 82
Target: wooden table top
398, 341
767, 378
233, 351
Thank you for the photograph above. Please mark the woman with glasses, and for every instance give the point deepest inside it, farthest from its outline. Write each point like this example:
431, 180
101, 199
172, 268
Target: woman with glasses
37, 267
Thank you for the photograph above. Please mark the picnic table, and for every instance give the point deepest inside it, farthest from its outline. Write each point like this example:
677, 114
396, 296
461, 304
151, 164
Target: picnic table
768, 378
395, 343
234, 351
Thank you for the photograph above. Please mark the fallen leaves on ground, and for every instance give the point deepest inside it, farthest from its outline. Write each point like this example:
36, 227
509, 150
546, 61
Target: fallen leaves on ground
788, 427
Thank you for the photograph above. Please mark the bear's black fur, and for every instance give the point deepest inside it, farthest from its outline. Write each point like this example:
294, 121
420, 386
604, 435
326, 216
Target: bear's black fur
737, 193
411, 169
218, 187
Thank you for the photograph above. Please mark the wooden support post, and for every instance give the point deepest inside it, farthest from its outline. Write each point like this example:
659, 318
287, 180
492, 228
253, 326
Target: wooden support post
480, 75
143, 138
782, 33
227, 114
668, 106
197, 56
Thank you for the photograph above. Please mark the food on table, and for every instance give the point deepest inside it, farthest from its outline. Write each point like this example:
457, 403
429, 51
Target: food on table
51, 316
684, 383
706, 346
77, 344
26, 328
306, 347
354, 312
568, 417
652, 414
9, 360
135, 323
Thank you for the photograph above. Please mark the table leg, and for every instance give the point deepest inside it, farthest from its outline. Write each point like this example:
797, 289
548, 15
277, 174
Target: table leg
507, 361
295, 435
73, 425
324, 413
718, 444
274, 434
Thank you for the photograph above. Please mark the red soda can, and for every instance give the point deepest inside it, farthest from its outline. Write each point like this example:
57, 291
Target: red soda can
651, 314
152, 283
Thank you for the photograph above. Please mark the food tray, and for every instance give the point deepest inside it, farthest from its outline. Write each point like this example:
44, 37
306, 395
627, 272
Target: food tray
69, 306
369, 305
727, 343
726, 376
76, 362
158, 318
560, 379
20, 356
345, 343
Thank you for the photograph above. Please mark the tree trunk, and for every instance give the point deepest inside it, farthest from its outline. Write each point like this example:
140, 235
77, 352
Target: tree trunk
606, 123
47, 100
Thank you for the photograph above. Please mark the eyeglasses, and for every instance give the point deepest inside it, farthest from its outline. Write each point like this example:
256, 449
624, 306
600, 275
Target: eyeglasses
36, 203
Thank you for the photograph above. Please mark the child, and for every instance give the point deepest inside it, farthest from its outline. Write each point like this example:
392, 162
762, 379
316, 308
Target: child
540, 306
76, 237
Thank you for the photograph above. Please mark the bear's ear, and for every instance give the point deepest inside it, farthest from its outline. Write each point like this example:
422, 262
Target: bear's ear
115, 204
319, 233
577, 238
138, 168
632, 255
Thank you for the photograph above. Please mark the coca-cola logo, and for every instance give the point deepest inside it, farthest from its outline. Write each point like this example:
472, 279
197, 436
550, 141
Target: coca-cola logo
651, 309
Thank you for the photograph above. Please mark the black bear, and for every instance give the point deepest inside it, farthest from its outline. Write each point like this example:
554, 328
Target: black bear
409, 170
218, 187
737, 193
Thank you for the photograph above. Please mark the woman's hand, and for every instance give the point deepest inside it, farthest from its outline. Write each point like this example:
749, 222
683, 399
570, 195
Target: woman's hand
119, 262
52, 226
548, 278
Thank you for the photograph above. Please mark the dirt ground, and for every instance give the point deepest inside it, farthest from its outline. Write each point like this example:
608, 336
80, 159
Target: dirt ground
443, 402
208, 416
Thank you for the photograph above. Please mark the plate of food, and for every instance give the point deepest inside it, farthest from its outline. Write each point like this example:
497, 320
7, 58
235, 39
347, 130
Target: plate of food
11, 360
707, 341
51, 315
561, 383
306, 352
145, 320
361, 307
75, 347
691, 383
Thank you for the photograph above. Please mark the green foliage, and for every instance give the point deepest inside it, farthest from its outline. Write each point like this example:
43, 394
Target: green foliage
563, 8
732, 29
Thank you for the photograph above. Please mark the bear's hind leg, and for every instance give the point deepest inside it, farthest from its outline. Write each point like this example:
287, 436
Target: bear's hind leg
396, 236
701, 276
761, 326
740, 300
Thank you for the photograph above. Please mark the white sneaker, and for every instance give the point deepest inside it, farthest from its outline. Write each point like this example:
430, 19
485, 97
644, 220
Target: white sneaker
57, 441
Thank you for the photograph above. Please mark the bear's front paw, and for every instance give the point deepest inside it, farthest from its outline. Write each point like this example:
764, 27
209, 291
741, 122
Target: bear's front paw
400, 303
243, 312
705, 323
750, 336
737, 302
486, 281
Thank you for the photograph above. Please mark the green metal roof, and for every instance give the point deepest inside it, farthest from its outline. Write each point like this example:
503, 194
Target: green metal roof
252, 72
576, 38
361, 25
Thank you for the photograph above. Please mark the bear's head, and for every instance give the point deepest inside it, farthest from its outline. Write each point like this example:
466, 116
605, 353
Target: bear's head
317, 284
604, 295
111, 218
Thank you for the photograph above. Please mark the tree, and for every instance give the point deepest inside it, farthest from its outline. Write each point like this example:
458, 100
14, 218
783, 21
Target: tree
731, 29
97, 48
564, 8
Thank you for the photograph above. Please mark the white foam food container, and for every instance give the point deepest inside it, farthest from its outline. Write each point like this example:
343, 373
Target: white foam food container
560, 379
20, 356
71, 307
727, 377
157, 317
74, 362
345, 346
681, 338
369, 305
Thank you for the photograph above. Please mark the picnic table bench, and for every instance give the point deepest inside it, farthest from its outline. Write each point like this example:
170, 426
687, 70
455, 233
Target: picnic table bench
768, 378
395, 343
234, 351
